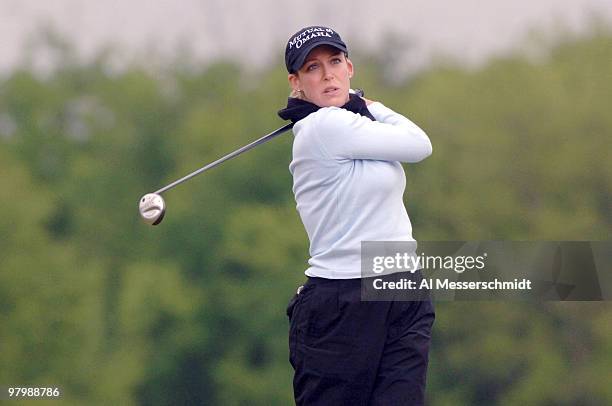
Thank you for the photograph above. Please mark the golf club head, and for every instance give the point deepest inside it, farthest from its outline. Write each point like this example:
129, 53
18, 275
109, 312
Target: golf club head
152, 208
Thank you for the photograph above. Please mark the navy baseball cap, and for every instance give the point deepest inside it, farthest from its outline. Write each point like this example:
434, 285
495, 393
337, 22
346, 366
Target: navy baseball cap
305, 40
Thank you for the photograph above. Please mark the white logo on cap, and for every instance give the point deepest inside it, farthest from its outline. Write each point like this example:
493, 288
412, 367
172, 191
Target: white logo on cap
309, 34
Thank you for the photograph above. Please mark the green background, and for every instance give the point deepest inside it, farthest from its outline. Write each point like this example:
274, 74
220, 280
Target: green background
192, 311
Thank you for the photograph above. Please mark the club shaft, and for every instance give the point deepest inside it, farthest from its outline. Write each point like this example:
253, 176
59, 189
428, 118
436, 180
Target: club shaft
231, 155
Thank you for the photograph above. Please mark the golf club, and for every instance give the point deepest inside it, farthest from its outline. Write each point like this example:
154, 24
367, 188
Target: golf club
152, 206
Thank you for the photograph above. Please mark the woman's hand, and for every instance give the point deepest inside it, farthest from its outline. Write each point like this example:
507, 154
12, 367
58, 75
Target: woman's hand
368, 101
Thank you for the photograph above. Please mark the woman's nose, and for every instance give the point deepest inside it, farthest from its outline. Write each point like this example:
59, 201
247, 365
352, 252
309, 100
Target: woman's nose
327, 75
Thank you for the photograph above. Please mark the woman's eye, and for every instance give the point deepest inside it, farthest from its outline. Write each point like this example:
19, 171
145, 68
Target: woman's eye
336, 60
311, 67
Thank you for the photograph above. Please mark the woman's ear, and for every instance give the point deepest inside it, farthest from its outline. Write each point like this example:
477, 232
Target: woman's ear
294, 81
349, 64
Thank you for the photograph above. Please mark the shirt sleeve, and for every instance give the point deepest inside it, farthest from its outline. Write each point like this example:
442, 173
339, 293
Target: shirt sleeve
344, 134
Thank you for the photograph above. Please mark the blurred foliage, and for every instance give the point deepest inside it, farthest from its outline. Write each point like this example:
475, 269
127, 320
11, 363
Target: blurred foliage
192, 311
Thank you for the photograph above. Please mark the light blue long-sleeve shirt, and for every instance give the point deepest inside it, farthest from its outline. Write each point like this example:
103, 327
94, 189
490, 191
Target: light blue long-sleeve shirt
348, 183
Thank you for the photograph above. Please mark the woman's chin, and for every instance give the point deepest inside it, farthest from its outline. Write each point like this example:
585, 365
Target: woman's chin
334, 101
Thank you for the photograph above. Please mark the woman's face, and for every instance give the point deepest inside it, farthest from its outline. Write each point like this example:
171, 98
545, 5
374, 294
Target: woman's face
325, 77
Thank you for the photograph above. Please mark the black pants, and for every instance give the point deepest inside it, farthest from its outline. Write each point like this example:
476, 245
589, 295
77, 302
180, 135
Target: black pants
350, 352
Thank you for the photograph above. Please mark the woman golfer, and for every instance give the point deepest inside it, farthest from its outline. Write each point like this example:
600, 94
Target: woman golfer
348, 184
